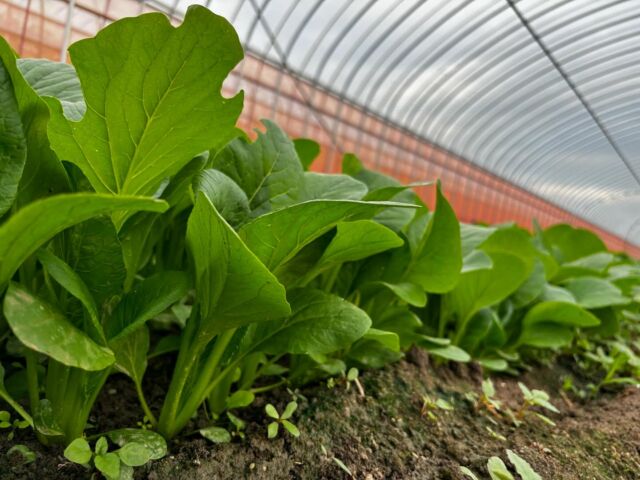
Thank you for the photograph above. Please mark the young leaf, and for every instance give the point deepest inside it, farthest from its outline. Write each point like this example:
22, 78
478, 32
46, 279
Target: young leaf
43, 329
320, 323
289, 410
468, 473
240, 398
498, 470
271, 411
131, 353
141, 77
228, 198
216, 434
108, 464
272, 429
291, 428
522, 467
13, 144
101, 446
78, 451
332, 186
35, 224
237, 289
390, 340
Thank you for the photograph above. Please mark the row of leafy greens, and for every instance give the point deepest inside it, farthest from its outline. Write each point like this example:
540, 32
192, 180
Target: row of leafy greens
138, 222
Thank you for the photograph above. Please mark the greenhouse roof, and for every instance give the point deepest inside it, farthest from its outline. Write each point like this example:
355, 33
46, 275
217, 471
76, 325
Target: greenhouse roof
544, 94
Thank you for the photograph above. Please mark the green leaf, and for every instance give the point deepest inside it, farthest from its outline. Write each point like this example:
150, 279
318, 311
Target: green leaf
448, 352
437, 261
291, 428
357, 240
267, 170
551, 324
522, 467
35, 224
476, 260
43, 173
568, 243
13, 144
532, 287
240, 399
276, 237
389, 340
62, 273
407, 292
483, 288
320, 323
78, 451
594, 292
289, 410
141, 77
468, 473
148, 299
216, 434
134, 454
154, 442
332, 186
472, 236
43, 329
271, 411
55, 79
307, 150
236, 288
108, 464
553, 293
272, 429
498, 470
131, 353
226, 196
101, 446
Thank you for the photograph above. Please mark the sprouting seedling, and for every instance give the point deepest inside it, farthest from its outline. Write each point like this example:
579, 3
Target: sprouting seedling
498, 470
534, 398
113, 465
145, 423
239, 425
487, 400
283, 420
26, 454
5, 422
429, 406
337, 461
351, 377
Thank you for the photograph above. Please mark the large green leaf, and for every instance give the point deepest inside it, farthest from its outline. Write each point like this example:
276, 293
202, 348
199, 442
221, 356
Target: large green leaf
153, 99
276, 237
43, 329
148, 299
332, 186
36, 223
551, 324
267, 170
320, 323
483, 288
233, 287
568, 243
437, 261
43, 173
13, 144
594, 292
55, 79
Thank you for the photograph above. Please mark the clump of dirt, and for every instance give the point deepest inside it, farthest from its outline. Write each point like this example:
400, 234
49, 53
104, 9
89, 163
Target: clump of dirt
384, 434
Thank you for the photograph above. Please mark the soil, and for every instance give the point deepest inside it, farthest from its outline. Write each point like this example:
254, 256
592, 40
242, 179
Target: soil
383, 434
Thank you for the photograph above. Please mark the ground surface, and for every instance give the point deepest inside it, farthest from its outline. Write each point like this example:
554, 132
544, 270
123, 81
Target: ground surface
384, 435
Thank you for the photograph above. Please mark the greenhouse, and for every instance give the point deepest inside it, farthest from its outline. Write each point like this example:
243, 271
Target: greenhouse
312, 239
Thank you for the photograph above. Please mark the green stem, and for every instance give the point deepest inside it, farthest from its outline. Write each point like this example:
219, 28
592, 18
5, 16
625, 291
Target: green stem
145, 405
267, 388
16, 406
32, 379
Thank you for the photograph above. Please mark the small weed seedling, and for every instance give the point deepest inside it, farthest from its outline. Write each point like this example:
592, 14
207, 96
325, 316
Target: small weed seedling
498, 470
487, 400
351, 377
429, 407
222, 435
5, 422
116, 465
534, 398
26, 454
283, 420
337, 461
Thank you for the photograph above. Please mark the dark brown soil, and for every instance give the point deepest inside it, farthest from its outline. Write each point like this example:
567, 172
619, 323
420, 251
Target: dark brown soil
383, 435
